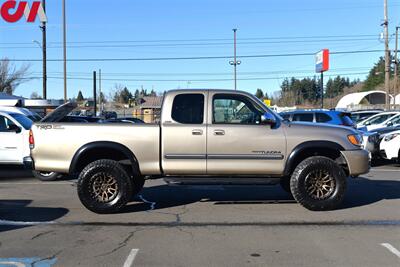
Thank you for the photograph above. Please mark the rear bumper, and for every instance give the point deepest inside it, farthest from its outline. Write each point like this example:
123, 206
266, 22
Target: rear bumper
357, 161
28, 163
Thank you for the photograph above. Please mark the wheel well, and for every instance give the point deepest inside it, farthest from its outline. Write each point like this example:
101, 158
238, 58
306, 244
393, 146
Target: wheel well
91, 153
331, 153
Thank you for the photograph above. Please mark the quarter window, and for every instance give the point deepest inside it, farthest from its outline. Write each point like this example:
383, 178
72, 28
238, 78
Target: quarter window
303, 117
322, 117
188, 108
235, 109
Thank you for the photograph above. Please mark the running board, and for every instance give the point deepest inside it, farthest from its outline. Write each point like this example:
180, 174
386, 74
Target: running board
220, 181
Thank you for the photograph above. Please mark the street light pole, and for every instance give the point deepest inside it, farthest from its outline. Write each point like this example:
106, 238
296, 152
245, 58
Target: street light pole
234, 62
44, 52
64, 49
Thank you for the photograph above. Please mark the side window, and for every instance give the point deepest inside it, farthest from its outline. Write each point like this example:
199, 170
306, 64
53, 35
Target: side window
322, 117
303, 117
188, 108
235, 109
285, 116
5, 124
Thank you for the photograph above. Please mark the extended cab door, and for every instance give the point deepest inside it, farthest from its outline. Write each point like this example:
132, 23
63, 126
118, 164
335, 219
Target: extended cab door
237, 142
184, 132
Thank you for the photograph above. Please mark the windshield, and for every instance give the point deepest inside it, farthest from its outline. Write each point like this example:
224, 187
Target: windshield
23, 120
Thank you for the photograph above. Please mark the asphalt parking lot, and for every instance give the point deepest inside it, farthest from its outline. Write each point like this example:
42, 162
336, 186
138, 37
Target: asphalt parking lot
44, 224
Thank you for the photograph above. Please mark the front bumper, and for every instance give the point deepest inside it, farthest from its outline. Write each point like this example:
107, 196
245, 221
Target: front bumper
357, 161
28, 163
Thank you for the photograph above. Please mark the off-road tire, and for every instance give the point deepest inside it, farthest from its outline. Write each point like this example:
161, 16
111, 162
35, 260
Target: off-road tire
86, 186
46, 176
299, 188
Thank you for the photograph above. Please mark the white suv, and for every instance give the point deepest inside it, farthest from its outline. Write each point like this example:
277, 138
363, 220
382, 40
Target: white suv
390, 146
14, 142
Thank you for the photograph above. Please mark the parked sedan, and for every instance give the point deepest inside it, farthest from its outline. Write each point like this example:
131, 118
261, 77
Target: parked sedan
360, 115
390, 146
381, 120
372, 139
319, 116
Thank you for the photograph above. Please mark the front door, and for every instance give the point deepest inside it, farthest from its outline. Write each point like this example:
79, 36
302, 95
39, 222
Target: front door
10, 142
184, 132
237, 142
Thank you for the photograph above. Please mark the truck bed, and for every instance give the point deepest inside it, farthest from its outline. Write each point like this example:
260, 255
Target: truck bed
57, 143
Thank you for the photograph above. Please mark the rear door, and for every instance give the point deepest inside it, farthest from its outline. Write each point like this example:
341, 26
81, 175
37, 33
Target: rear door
184, 134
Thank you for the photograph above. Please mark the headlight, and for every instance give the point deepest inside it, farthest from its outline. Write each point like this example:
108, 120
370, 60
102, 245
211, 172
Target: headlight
355, 139
391, 136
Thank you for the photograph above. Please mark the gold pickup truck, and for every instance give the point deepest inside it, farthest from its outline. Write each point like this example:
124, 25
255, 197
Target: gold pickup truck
218, 136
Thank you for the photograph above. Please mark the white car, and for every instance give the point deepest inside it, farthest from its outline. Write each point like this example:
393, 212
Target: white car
14, 142
390, 146
381, 120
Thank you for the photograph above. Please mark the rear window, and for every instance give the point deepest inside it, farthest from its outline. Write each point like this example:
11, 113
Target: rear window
303, 117
23, 120
322, 117
188, 108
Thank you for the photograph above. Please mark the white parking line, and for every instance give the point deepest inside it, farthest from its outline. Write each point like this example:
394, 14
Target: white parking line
391, 249
20, 223
383, 170
36, 183
152, 204
131, 258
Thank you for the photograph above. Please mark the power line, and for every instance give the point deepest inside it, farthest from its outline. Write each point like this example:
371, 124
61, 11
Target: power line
203, 40
206, 73
194, 58
195, 80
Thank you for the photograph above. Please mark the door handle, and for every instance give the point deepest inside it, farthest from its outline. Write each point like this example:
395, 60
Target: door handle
197, 132
219, 132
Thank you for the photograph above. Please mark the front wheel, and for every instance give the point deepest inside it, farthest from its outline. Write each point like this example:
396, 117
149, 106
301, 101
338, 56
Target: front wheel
46, 176
318, 183
104, 186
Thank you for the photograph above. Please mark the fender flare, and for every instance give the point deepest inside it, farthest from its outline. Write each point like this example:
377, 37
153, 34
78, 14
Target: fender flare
106, 145
291, 159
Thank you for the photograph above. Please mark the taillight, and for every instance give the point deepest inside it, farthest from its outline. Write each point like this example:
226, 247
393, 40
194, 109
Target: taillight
31, 140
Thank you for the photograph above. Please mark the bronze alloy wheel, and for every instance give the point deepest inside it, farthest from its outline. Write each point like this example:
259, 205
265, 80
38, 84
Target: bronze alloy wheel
103, 187
320, 184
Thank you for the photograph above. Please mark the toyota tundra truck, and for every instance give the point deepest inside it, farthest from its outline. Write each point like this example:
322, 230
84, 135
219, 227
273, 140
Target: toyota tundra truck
204, 136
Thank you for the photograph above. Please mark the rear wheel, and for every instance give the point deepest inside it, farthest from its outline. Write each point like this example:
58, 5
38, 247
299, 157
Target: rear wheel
104, 186
318, 183
46, 176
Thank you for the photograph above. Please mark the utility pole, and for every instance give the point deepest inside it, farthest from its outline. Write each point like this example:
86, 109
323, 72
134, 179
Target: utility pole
44, 52
234, 62
100, 100
94, 93
387, 54
396, 68
64, 49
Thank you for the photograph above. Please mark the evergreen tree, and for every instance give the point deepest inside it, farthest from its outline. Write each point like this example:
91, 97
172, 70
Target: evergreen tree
80, 97
259, 93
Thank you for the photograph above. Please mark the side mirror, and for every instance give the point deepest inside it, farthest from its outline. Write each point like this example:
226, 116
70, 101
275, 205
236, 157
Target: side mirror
14, 128
268, 118
389, 124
